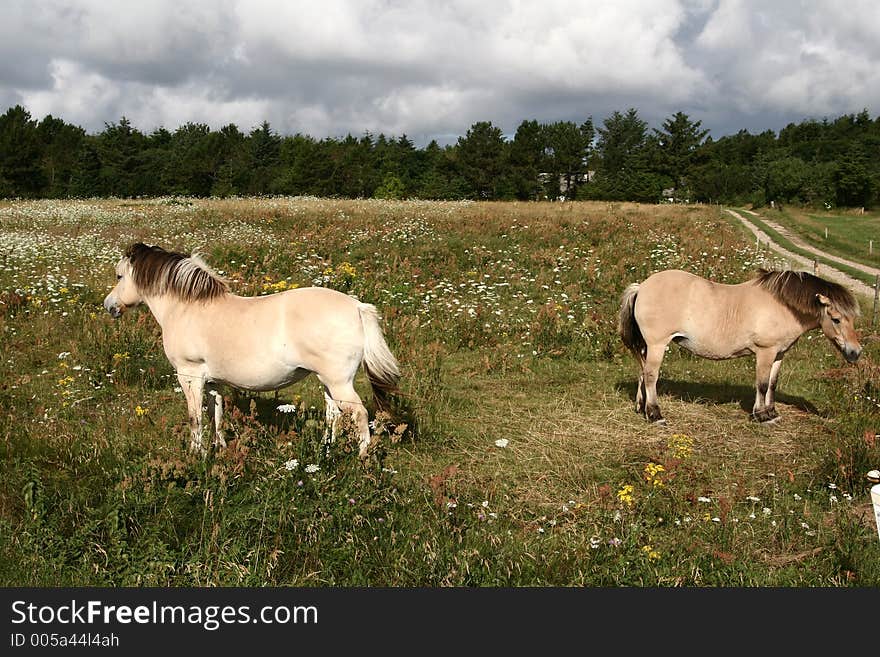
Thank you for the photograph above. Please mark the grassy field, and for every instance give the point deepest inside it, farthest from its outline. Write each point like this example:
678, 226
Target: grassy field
849, 234
513, 456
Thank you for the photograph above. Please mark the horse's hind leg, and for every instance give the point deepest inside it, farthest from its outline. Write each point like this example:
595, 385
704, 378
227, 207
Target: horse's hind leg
640, 393
343, 399
650, 374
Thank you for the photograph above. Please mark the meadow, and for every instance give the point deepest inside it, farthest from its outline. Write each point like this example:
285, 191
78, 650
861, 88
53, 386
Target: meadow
512, 456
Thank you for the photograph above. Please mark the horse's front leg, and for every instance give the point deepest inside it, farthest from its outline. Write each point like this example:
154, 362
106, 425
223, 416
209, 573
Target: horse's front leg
217, 414
765, 361
770, 398
193, 388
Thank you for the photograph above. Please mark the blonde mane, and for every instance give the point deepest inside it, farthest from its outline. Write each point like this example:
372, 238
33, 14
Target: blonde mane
157, 271
798, 289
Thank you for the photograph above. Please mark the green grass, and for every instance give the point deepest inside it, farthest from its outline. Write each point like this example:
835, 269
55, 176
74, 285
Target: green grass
849, 234
503, 318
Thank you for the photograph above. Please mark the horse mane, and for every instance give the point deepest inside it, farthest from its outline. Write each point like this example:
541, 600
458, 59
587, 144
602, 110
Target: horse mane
157, 271
798, 289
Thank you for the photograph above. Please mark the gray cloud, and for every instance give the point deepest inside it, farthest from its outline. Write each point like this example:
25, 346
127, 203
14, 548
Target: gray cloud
432, 69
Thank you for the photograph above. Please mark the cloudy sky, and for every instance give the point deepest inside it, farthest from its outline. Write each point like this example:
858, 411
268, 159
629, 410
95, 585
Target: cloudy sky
430, 69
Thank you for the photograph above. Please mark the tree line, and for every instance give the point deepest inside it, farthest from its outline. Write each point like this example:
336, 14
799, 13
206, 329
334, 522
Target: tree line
820, 163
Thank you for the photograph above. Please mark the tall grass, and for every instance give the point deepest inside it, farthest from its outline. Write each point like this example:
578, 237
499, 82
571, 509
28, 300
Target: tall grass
512, 456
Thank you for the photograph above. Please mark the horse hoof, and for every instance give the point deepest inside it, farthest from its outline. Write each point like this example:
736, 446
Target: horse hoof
660, 422
765, 417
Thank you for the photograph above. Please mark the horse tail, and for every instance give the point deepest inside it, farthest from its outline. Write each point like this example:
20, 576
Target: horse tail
627, 327
379, 363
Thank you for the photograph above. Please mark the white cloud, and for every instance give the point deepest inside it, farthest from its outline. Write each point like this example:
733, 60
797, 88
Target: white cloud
426, 68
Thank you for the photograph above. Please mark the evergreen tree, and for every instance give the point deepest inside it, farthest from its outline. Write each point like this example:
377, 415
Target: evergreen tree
525, 160
480, 159
679, 140
566, 154
20, 153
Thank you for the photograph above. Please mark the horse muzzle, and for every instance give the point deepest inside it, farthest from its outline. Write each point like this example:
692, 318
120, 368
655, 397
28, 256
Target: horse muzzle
851, 353
113, 307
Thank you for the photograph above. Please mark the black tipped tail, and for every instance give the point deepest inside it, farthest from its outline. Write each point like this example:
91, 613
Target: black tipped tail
627, 327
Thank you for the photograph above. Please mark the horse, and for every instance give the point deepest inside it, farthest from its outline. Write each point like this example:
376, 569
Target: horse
763, 316
213, 337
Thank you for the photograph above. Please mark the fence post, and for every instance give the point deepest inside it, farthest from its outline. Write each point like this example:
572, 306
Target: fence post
876, 299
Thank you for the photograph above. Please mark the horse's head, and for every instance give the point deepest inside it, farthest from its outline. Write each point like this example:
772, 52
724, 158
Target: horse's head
838, 327
125, 293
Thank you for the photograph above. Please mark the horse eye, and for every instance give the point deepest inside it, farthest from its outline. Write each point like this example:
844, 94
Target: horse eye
835, 320
118, 277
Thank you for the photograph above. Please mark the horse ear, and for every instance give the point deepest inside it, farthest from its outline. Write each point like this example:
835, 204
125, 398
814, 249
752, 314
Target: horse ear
823, 300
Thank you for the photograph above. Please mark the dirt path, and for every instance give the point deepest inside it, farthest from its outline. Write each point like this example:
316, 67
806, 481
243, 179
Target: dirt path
824, 270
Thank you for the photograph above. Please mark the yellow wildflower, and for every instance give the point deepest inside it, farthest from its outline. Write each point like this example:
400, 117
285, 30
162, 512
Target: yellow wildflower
650, 552
625, 495
652, 474
681, 445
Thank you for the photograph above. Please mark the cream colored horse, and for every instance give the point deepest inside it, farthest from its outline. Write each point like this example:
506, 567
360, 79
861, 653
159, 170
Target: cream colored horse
259, 343
763, 316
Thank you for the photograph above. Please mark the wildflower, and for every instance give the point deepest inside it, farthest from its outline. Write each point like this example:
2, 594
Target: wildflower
63, 355
291, 464
832, 486
595, 542
485, 504
652, 474
312, 468
121, 356
752, 498
681, 445
614, 542
651, 553
625, 495
286, 408
832, 499
766, 511
797, 498
704, 499
140, 411
501, 442
716, 519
